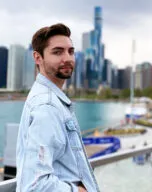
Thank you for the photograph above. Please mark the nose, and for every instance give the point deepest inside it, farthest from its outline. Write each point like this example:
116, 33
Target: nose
68, 57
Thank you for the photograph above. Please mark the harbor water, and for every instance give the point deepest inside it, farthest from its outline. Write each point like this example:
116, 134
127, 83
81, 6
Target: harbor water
123, 176
90, 115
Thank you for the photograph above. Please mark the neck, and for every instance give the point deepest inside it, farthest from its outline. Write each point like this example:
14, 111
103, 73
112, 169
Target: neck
58, 82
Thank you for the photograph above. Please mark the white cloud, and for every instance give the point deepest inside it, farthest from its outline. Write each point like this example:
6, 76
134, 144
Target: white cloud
20, 20
19, 28
119, 42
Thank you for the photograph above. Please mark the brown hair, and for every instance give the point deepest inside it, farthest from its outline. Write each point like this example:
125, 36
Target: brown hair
40, 38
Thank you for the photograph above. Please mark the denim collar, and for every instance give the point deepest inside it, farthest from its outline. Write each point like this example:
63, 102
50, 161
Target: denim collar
59, 93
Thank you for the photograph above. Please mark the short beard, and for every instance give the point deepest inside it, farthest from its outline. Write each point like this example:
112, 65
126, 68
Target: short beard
62, 76
57, 73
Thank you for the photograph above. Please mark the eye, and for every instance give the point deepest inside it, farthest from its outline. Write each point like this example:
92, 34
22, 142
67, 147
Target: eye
57, 52
71, 52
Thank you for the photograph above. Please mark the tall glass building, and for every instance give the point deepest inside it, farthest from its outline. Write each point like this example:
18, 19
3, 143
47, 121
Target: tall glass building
95, 65
3, 66
121, 74
98, 29
114, 77
98, 20
79, 70
91, 74
85, 41
107, 73
28, 69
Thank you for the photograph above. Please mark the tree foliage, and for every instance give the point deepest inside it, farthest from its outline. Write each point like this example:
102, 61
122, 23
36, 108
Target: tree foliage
147, 92
137, 92
105, 94
125, 93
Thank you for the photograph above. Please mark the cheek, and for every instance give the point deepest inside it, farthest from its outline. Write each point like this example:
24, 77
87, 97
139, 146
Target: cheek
74, 64
56, 62
52, 62
73, 61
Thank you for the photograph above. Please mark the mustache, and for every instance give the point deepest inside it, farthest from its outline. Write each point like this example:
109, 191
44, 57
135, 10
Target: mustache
66, 66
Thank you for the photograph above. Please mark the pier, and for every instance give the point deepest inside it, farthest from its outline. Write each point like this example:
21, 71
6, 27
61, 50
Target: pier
131, 146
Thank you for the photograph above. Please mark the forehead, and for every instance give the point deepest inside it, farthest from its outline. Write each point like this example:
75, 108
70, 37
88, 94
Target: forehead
60, 41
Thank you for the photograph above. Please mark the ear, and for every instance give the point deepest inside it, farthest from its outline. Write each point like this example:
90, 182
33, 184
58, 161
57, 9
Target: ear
37, 58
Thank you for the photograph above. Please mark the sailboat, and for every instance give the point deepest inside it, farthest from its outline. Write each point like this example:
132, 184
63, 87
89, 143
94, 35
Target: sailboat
138, 109
135, 111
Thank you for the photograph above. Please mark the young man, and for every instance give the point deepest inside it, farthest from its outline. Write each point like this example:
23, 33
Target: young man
50, 153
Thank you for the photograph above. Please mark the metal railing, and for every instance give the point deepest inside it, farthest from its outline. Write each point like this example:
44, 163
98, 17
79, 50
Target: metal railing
10, 185
113, 157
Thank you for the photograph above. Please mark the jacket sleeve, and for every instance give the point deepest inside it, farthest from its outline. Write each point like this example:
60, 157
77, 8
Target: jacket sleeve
44, 145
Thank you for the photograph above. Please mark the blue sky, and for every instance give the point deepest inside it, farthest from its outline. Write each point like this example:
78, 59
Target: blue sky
122, 21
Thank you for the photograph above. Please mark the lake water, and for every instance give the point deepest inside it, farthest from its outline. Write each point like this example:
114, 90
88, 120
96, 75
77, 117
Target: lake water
89, 114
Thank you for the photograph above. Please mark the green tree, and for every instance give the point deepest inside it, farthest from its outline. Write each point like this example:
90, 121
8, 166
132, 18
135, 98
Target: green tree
125, 93
147, 92
138, 92
105, 94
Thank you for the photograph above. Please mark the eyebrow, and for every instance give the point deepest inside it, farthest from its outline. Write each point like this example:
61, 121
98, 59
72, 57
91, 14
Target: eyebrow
61, 48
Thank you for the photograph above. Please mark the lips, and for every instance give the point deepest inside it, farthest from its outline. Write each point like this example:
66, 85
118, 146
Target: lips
66, 67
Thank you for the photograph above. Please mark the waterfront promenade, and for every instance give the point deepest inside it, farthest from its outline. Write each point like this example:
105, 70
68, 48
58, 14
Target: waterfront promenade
130, 141
125, 175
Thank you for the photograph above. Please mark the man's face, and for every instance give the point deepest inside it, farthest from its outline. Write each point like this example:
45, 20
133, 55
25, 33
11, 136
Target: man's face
58, 58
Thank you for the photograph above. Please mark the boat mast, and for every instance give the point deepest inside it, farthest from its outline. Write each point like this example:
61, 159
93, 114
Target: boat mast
132, 81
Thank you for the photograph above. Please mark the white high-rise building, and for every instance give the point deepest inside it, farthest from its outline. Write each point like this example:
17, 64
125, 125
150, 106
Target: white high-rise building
85, 41
28, 69
15, 67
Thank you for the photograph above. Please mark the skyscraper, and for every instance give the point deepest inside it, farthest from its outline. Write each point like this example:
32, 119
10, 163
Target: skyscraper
147, 74
107, 73
121, 73
138, 77
98, 29
15, 67
143, 75
3, 66
98, 20
91, 74
114, 77
28, 69
85, 41
79, 70
95, 65
127, 77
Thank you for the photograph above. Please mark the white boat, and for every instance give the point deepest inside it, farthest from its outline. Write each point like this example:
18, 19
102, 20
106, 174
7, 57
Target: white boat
136, 111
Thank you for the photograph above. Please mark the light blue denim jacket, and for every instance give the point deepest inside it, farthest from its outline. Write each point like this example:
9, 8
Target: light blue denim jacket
50, 153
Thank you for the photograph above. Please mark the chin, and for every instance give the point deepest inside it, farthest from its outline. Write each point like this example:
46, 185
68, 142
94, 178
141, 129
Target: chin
64, 75
68, 77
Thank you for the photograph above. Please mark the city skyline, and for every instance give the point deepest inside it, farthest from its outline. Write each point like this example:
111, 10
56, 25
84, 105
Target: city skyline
122, 22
